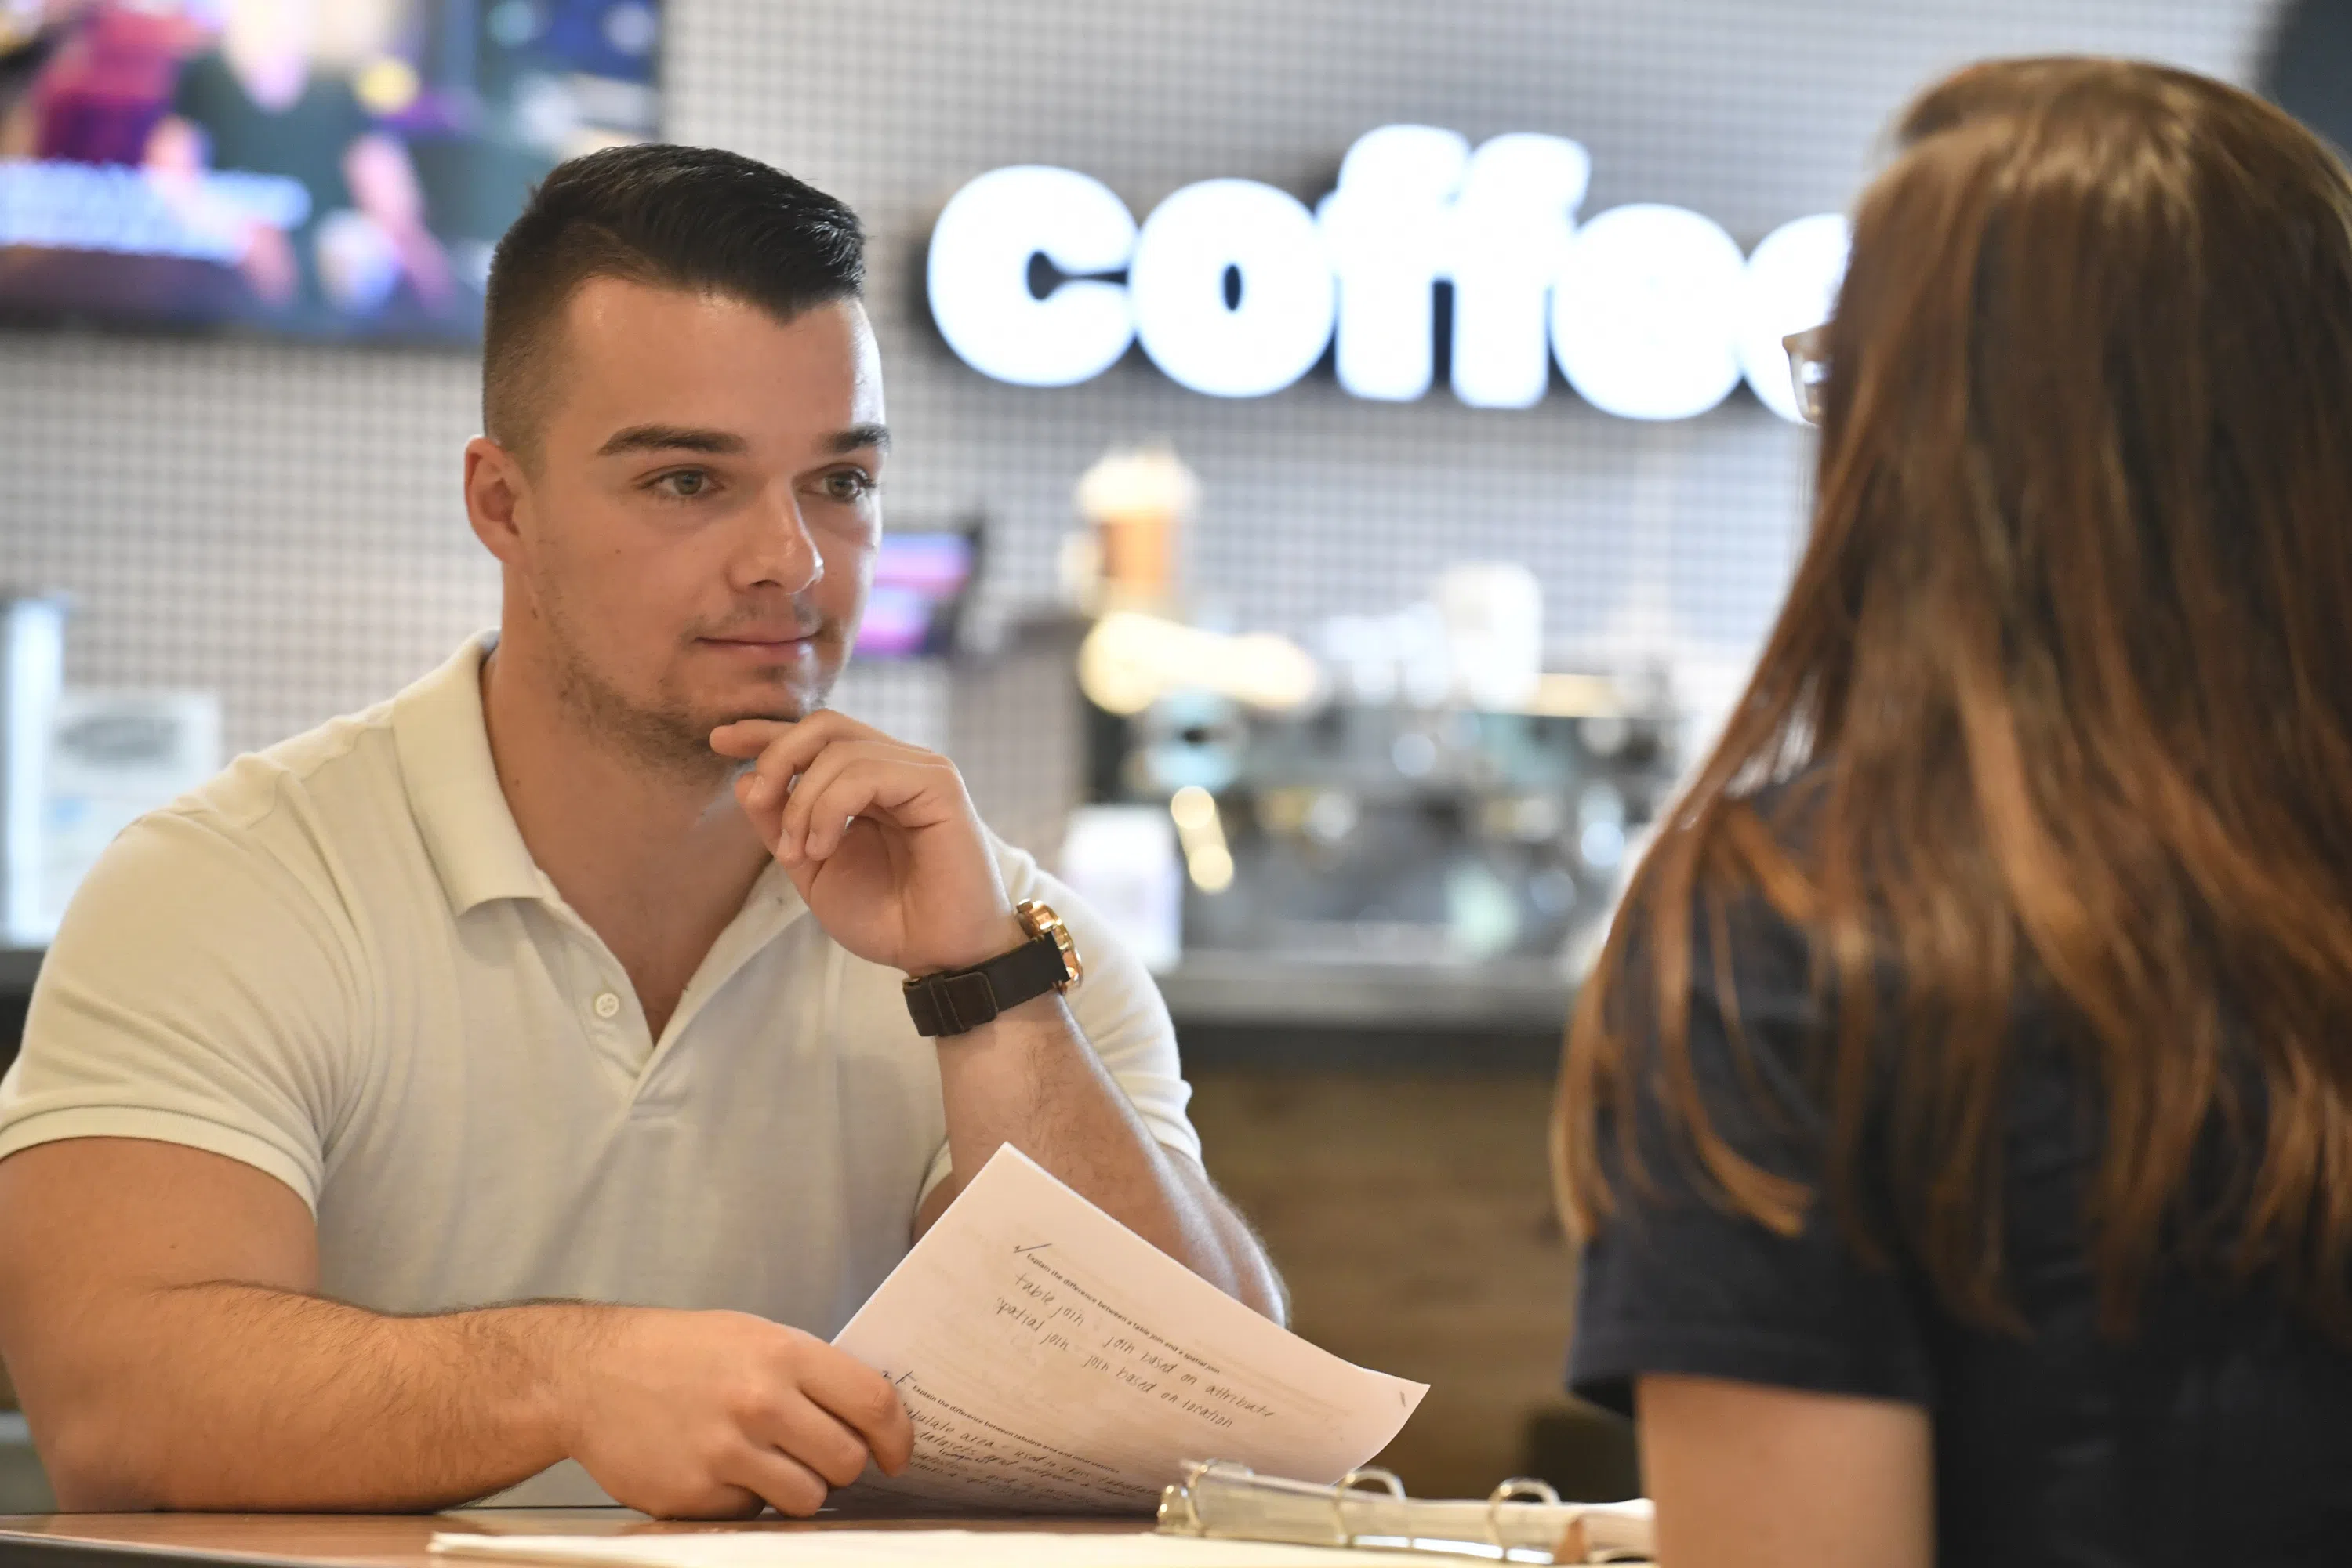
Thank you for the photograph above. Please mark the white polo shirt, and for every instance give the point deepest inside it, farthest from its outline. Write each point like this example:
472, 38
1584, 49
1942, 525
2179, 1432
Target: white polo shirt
338, 963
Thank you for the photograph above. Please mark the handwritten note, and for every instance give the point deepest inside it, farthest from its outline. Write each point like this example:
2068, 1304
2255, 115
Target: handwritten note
1053, 1361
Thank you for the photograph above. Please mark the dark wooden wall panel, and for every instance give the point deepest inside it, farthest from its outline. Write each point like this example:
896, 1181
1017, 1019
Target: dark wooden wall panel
1411, 1215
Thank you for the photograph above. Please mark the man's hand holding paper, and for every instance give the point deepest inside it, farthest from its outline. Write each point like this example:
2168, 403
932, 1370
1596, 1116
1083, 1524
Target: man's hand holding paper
1051, 1361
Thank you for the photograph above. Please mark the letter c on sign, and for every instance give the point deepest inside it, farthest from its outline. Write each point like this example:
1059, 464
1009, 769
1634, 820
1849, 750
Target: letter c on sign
979, 276
1275, 331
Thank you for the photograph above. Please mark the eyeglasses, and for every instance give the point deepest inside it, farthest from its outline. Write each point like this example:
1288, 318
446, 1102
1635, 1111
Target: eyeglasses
1808, 368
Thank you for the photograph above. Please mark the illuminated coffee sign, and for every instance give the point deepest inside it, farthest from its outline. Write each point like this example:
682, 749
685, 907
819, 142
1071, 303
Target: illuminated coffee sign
1235, 289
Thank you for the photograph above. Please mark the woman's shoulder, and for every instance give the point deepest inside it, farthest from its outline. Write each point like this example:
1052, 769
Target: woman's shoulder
1740, 921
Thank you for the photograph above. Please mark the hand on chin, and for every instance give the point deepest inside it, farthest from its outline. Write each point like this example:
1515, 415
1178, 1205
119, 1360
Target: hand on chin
879, 838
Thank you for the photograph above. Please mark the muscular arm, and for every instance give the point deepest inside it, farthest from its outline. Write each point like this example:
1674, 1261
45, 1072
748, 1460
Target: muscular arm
1030, 1079
881, 839
1746, 1475
156, 1311
157, 1317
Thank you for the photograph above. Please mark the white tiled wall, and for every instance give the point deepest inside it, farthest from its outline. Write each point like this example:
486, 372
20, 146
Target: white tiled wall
282, 523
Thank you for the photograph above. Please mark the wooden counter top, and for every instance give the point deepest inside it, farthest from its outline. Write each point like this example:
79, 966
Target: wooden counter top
384, 1541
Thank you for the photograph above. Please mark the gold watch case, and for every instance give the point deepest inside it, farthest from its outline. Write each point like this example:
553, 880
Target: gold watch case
1039, 920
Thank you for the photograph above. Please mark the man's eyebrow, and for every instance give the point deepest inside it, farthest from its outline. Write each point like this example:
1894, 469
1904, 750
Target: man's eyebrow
671, 438
857, 437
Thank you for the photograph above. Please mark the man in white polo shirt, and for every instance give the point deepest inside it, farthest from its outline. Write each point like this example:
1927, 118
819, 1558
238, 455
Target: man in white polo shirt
601, 972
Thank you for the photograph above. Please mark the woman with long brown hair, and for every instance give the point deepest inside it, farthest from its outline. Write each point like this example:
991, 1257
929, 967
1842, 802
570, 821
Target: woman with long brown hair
1959, 1123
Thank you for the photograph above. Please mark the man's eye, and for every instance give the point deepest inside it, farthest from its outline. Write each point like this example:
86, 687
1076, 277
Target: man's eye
684, 485
849, 485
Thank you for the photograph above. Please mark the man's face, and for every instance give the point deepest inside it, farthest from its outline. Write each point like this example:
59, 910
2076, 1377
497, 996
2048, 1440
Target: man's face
697, 541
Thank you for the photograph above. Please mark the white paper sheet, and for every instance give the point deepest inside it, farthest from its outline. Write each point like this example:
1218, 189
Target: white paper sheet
909, 1549
1054, 1361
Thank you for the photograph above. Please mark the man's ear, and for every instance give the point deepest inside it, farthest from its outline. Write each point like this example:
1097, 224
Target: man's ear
497, 489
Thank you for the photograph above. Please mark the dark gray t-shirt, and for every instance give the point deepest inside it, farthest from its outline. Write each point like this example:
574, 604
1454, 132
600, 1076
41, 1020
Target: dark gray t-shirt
2220, 1432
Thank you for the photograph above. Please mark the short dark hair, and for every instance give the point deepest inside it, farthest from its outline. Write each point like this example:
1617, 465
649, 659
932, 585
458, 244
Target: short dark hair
693, 218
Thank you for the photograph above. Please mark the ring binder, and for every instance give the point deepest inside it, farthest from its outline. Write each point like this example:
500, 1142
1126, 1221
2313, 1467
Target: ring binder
1522, 1520
1509, 1491
1347, 1484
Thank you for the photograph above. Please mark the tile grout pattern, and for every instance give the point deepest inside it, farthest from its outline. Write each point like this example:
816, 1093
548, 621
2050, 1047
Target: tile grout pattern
281, 521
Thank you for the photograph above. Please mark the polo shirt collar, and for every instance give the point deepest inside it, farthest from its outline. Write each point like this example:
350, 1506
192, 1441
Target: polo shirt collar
453, 786
443, 745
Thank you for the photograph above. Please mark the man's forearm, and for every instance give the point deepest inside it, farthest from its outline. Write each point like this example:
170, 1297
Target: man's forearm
1030, 1079
237, 1396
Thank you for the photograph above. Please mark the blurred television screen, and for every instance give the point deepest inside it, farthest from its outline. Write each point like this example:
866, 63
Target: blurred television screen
920, 581
316, 168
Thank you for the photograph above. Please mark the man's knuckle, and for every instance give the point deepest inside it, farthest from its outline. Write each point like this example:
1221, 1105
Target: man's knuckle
767, 1399
718, 1410
800, 1494
716, 1451
725, 1501
842, 1461
876, 1402
704, 1497
677, 1502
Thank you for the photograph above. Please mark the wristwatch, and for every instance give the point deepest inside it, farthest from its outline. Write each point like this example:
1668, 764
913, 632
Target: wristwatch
958, 1000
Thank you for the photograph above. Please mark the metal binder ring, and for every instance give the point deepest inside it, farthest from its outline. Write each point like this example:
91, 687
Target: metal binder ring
1511, 1490
1348, 1483
1208, 1469
1180, 1505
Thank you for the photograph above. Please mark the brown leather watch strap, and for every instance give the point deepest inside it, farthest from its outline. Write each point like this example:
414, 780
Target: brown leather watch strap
960, 1000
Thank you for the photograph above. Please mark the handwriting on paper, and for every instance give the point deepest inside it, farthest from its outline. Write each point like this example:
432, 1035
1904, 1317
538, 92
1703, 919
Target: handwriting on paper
1047, 1303
1082, 1372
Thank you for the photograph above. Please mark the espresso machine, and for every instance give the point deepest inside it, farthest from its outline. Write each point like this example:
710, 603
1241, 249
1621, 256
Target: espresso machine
1393, 834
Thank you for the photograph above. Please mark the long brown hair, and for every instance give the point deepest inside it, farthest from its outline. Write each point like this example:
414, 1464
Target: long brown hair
2064, 678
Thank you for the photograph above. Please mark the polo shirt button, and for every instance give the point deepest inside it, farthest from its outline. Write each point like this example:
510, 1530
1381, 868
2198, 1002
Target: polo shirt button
607, 1004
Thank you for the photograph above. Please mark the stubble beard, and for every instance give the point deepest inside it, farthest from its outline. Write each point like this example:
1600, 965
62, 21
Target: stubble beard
665, 737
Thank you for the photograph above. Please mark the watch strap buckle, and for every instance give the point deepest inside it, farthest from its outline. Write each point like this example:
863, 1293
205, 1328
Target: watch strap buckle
952, 1004
961, 1000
